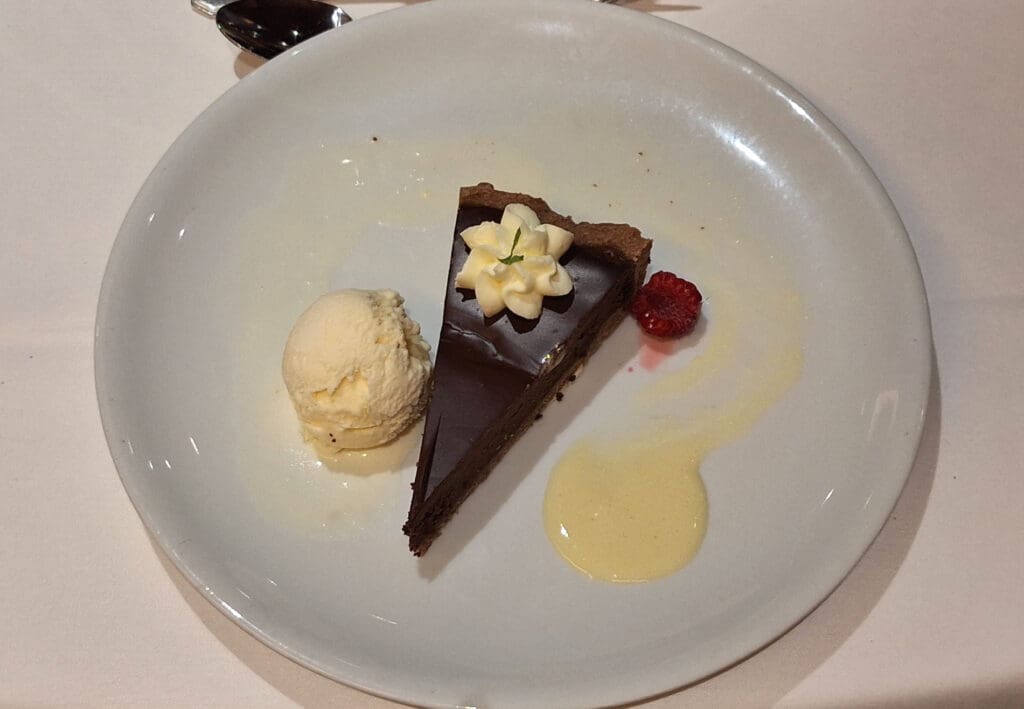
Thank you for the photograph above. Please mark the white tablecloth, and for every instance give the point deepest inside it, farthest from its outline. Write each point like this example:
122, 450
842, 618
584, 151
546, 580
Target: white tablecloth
931, 92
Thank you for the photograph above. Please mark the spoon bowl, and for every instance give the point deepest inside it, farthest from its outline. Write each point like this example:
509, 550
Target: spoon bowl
267, 28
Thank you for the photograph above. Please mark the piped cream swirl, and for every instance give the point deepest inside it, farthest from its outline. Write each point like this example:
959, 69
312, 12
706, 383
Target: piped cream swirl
503, 281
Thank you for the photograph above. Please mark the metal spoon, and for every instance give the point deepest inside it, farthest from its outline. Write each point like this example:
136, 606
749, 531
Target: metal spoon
268, 27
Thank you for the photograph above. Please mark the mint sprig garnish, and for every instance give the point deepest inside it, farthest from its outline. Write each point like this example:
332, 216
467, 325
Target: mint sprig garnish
510, 259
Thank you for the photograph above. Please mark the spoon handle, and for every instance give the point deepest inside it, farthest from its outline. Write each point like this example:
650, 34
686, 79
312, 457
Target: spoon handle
208, 7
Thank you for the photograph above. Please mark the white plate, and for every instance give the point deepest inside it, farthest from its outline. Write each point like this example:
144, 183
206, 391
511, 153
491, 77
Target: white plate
279, 192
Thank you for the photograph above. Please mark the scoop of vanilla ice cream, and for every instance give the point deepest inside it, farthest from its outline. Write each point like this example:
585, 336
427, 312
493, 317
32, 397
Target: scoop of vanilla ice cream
356, 369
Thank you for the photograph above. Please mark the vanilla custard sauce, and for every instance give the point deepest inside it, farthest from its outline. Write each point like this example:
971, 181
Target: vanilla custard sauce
630, 506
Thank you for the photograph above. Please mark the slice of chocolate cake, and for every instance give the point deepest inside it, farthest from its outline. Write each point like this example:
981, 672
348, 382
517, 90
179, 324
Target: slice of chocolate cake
493, 375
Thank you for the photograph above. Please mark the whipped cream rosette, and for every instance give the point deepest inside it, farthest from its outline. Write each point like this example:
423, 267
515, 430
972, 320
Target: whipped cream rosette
514, 264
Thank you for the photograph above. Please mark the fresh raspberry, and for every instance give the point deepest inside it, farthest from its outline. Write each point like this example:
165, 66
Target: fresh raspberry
667, 306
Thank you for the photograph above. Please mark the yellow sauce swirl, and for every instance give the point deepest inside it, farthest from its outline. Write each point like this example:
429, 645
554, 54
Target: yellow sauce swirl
631, 507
